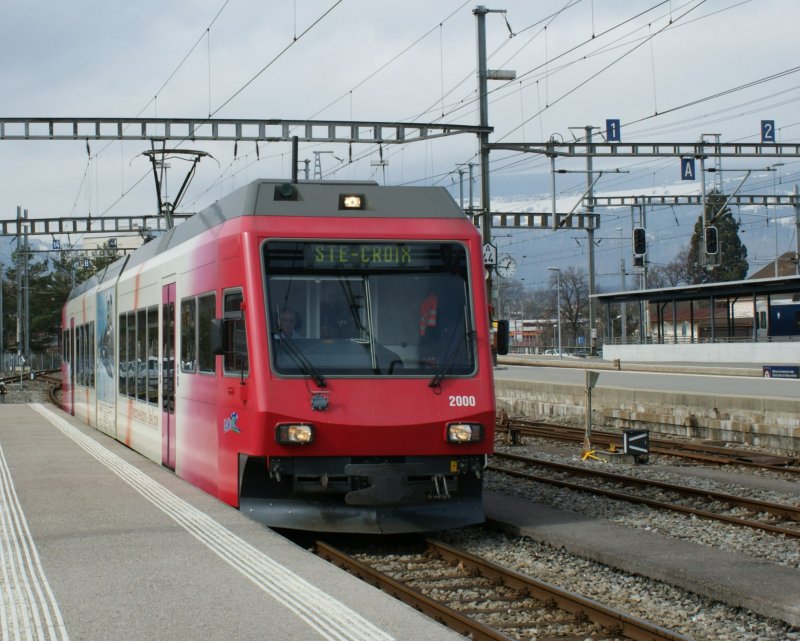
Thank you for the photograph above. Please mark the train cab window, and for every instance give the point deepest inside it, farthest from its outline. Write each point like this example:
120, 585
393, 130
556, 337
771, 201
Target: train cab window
206, 312
188, 335
235, 360
370, 308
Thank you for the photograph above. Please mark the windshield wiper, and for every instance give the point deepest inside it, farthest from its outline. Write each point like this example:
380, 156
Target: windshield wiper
450, 357
301, 360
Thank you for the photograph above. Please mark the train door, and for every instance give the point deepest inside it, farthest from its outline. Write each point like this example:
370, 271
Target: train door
168, 375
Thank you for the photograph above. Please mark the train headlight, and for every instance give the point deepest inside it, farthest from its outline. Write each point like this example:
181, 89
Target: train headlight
464, 432
294, 433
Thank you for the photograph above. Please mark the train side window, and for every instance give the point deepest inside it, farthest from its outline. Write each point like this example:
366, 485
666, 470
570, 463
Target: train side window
235, 360
151, 364
206, 312
131, 364
123, 354
141, 355
84, 358
188, 335
91, 354
79, 352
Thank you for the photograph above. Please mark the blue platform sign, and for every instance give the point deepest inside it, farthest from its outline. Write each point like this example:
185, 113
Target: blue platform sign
767, 131
780, 371
613, 132
687, 169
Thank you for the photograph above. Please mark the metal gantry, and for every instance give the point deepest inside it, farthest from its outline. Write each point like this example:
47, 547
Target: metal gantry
85, 225
544, 220
583, 149
204, 130
229, 129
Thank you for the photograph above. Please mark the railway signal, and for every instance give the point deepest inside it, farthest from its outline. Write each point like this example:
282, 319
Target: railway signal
639, 241
712, 244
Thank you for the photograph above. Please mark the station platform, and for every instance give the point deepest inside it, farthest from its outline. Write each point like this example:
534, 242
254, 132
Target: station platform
97, 543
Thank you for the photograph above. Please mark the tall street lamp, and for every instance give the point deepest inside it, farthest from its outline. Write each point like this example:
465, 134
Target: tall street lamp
558, 305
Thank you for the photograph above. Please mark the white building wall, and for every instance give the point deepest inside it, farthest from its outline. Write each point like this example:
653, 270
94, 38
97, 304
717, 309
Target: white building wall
783, 352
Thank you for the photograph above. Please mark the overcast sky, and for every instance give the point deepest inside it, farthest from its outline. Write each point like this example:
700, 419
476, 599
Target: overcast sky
386, 61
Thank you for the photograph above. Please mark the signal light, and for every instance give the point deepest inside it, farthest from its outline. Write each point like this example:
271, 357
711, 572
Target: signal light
639, 241
712, 244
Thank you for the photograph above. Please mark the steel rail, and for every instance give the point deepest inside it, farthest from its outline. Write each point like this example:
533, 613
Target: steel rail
45, 375
619, 622
26, 375
790, 512
691, 451
663, 505
437, 611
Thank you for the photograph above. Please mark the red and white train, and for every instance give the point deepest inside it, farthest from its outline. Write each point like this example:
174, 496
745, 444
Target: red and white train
316, 354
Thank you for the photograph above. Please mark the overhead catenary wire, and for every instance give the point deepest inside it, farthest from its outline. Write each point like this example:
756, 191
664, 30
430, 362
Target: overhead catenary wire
271, 62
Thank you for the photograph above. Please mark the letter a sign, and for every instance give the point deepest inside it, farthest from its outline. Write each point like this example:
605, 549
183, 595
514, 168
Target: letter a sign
687, 169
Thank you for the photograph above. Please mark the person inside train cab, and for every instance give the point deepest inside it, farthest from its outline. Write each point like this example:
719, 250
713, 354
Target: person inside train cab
430, 331
288, 324
441, 328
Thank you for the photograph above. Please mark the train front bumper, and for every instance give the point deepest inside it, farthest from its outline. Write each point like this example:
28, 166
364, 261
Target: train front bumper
371, 495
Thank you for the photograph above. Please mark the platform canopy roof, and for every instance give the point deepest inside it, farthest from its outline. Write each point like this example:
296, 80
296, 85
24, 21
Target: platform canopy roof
731, 289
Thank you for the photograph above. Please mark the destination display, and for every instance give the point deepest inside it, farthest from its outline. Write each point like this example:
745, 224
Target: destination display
282, 256
361, 255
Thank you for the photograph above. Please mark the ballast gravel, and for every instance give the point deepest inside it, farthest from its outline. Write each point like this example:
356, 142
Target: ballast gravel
686, 613
775, 548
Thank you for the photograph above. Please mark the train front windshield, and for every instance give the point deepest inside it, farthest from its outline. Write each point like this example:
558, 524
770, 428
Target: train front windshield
369, 309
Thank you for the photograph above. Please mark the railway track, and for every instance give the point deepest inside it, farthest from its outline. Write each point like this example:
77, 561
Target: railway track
701, 452
52, 377
488, 602
762, 515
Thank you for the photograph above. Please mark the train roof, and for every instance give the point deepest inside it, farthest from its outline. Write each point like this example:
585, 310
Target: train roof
302, 199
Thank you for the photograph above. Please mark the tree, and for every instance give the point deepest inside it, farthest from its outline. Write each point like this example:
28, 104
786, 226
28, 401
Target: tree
37, 271
673, 274
50, 281
731, 260
67, 268
574, 301
510, 298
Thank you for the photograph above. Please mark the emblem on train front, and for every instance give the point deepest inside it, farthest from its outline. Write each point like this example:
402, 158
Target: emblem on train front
230, 423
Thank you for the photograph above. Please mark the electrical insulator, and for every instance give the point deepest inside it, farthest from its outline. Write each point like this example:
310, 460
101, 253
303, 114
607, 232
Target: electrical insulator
712, 246
639, 241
